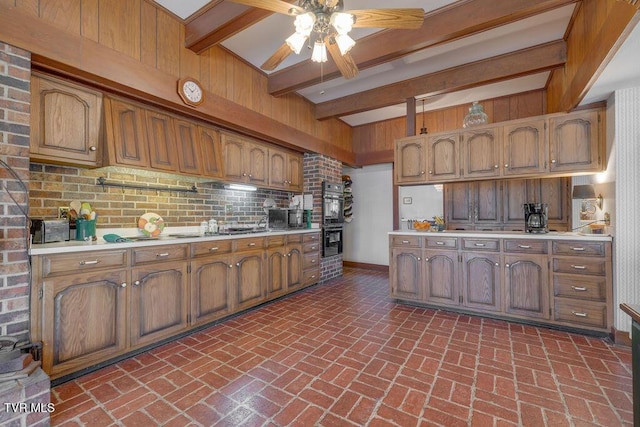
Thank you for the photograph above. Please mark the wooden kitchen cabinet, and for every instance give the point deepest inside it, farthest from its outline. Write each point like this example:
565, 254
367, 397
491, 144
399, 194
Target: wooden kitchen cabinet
576, 142
311, 249
66, 123
406, 273
473, 205
481, 153
525, 148
443, 157
285, 170
161, 139
481, 282
188, 147
211, 149
411, 160
441, 276
245, 161
552, 191
526, 282
249, 283
294, 262
126, 135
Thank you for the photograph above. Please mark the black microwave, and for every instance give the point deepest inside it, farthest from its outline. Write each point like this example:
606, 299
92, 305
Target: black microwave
284, 219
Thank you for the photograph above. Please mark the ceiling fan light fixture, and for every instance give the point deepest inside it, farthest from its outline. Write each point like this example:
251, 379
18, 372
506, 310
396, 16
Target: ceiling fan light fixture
304, 23
345, 43
296, 41
319, 53
342, 22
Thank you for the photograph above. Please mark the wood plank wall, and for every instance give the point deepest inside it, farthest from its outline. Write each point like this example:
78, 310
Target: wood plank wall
373, 143
155, 38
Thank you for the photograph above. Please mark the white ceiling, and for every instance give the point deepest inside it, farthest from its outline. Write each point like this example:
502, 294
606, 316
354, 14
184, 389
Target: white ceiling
258, 42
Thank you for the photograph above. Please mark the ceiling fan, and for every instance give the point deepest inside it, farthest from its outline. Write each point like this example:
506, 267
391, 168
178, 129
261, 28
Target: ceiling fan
325, 25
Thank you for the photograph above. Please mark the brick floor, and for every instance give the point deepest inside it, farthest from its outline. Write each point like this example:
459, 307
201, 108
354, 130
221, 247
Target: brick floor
344, 354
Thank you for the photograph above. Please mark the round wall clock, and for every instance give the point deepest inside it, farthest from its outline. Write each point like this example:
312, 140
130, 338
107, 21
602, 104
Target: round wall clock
190, 90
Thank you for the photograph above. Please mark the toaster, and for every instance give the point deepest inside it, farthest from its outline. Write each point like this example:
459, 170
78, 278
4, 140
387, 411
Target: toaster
49, 230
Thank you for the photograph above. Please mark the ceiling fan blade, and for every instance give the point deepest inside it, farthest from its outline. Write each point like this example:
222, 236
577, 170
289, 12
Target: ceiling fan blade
345, 63
409, 19
278, 6
274, 60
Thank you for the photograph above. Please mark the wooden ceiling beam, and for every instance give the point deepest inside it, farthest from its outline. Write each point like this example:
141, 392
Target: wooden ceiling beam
462, 18
504, 67
220, 22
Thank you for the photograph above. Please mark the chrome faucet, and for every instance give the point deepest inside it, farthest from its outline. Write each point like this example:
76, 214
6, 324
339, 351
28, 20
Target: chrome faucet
262, 220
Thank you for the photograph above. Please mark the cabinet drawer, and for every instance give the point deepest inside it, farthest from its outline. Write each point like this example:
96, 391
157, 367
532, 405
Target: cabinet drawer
53, 265
579, 248
213, 247
309, 277
592, 267
481, 244
249, 244
311, 237
441, 242
277, 241
311, 247
311, 260
294, 238
525, 246
159, 254
581, 313
406, 241
590, 288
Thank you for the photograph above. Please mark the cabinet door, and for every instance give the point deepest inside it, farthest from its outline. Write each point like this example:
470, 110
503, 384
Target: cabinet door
555, 192
126, 135
295, 172
515, 195
188, 147
257, 164
406, 273
481, 281
443, 154
458, 203
295, 262
277, 169
65, 122
277, 271
249, 279
411, 160
162, 142
441, 277
158, 301
211, 149
487, 199
481, 153
525, 148
574, 142
526, 281
233, 149
211, 280
84, 320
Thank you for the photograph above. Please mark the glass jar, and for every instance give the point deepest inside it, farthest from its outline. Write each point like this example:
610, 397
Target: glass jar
475, 117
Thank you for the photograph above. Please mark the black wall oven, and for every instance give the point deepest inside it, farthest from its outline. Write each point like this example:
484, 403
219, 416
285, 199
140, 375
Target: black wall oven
332, 218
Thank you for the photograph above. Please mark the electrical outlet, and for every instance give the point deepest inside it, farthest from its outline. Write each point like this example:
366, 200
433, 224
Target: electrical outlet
63, 212
228, 209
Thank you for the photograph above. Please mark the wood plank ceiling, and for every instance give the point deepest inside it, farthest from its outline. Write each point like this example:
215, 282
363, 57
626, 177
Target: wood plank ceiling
465, 50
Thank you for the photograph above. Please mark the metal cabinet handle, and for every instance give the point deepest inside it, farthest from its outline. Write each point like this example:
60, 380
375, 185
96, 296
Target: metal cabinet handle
439, 243
251, 244
92, 262
244, 174
404, 242
496, 166
137, 283
313, 261
93, 148
162, 255
524, 246
426, 259
578, 249
579, 267
507, 265
213, 249
579, 314
419, 258
430, 172
237, 264
482, 245
506, 166
230, 265
421, 172
553, 161
313, 248
497, 265
579, 288
123, 285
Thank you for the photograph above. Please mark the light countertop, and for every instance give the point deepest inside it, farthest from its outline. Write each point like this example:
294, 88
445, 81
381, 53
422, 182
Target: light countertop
553, 235
166, 238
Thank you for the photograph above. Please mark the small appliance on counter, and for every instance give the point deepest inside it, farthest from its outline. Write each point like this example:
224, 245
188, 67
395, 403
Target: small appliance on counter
536, 218
49, 230
284, 219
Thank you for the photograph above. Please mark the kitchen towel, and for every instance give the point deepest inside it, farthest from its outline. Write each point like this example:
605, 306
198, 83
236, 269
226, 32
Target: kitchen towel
114, 238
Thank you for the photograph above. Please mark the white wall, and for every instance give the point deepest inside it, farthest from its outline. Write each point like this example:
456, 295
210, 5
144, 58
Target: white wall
365, 238
421, 202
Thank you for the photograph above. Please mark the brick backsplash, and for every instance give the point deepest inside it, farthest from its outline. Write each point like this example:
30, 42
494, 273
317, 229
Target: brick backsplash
56, 186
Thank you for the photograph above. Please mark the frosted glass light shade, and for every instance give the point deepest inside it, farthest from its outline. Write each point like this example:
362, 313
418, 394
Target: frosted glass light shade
295, 41
304, 23
345, 43
319, 52
342, 22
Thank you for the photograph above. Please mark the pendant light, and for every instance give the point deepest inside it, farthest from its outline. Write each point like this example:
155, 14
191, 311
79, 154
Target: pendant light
423, 129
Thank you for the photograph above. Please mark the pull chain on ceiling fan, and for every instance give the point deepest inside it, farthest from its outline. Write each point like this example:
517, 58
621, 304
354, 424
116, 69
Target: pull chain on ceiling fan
325, 24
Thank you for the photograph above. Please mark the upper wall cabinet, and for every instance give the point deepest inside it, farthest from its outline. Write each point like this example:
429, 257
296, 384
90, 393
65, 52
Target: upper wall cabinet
126, 135
575, 142
244, 160
285, 170
65, 123
555, 144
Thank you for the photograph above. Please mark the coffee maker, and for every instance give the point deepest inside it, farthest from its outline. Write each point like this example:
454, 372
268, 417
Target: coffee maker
535, 218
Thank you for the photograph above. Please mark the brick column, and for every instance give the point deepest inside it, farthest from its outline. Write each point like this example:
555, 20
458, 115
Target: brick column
22, 401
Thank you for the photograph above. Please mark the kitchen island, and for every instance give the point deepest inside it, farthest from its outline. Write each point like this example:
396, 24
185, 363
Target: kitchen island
97, 302
557, 279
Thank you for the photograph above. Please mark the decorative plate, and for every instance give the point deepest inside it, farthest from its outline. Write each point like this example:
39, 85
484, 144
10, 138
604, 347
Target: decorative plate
268, 204
151, 224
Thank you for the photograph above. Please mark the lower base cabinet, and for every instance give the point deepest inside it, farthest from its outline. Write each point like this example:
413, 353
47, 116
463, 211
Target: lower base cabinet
542, 280
94, 306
